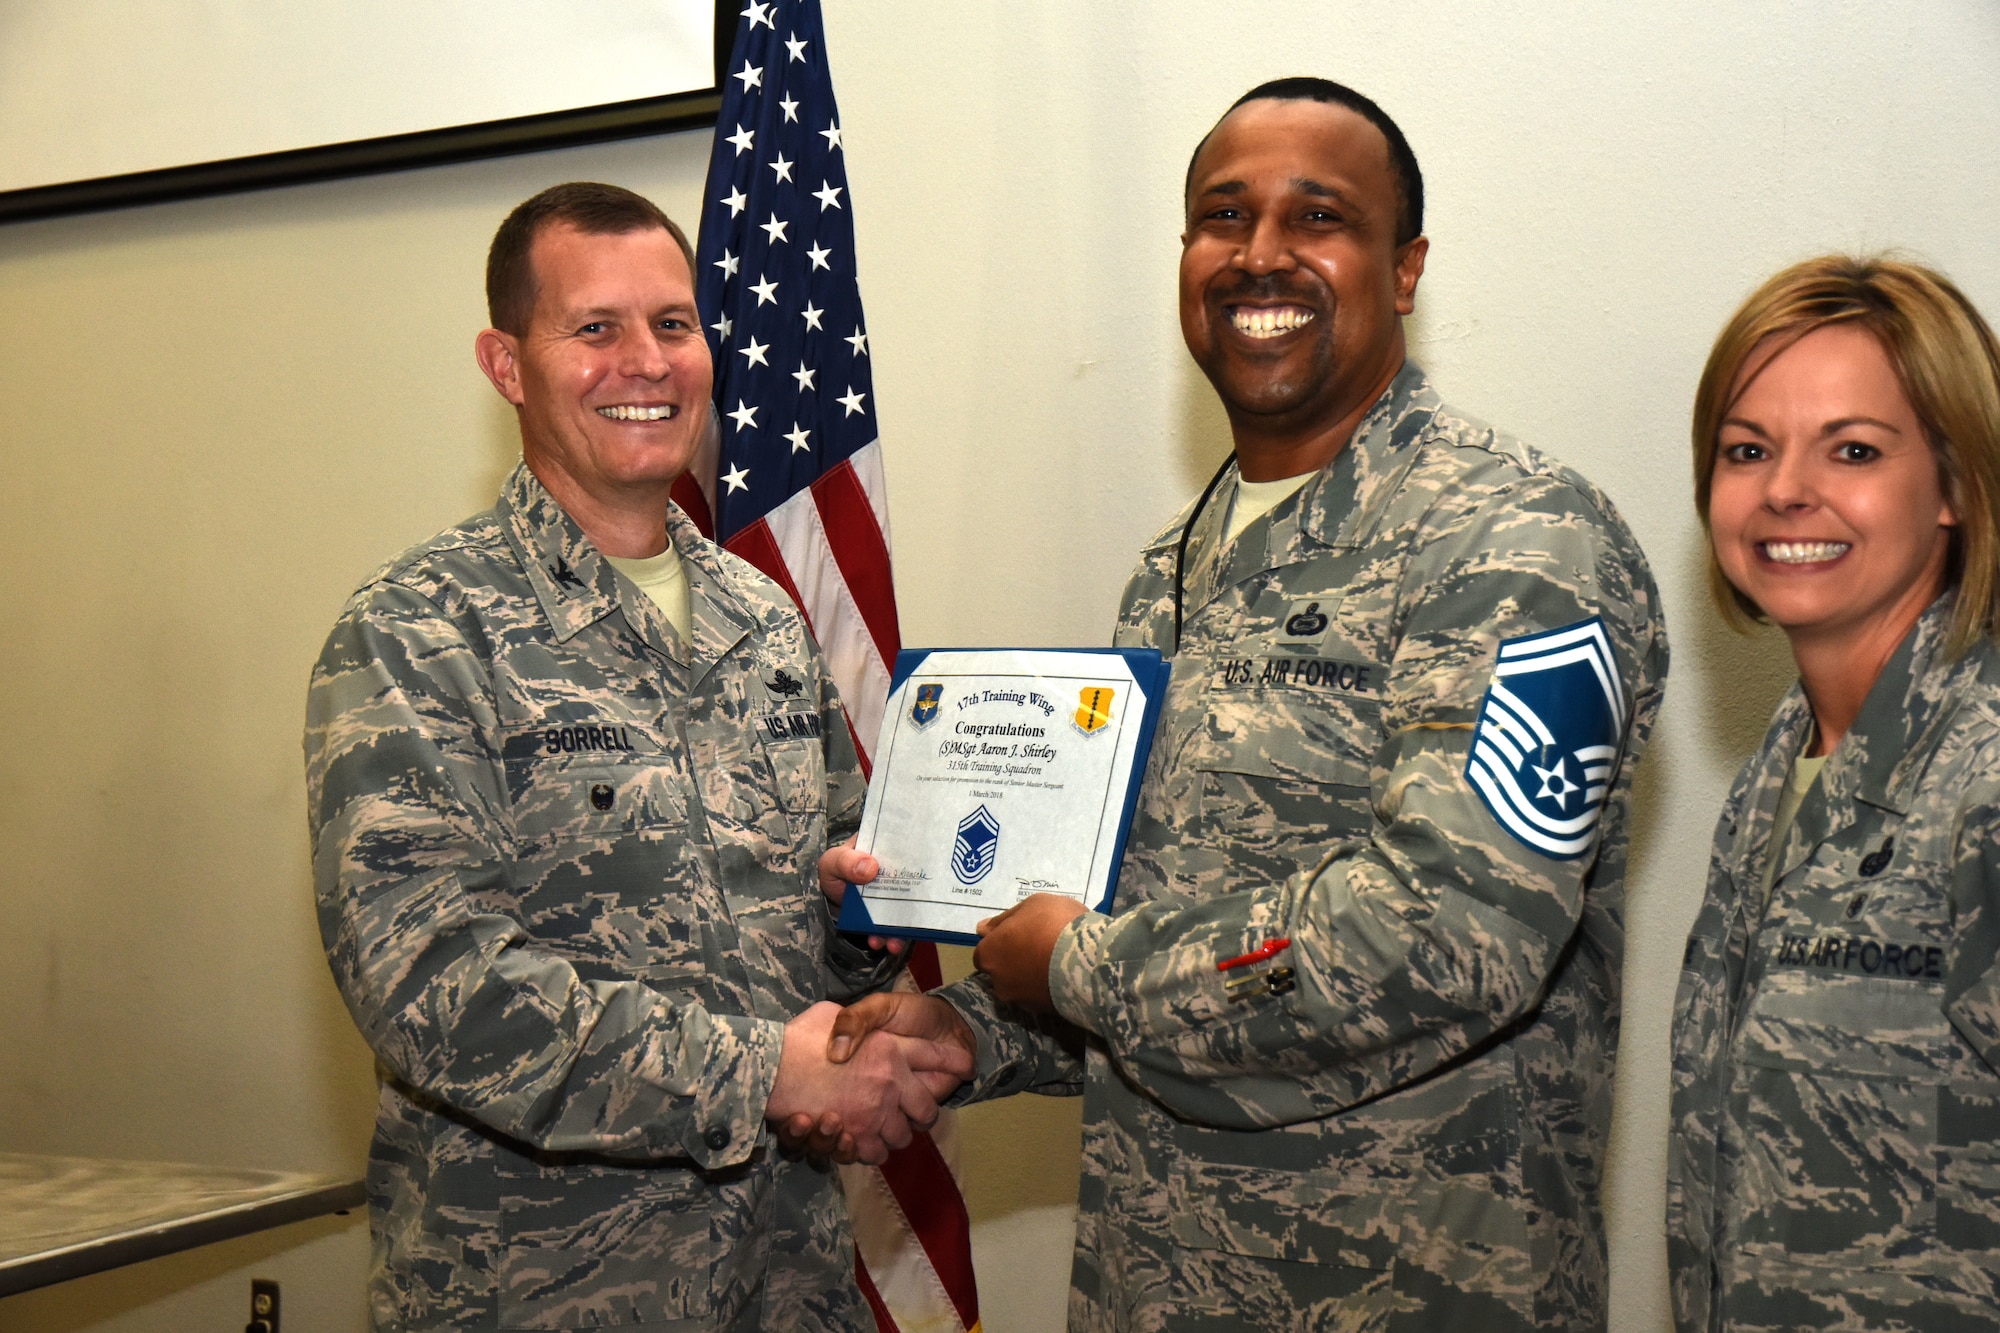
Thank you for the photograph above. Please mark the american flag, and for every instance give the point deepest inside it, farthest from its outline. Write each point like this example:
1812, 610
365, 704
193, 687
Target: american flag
797, 490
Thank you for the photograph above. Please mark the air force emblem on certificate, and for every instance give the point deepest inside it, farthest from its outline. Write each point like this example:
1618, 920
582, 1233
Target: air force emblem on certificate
1547, 737
978, 842
925, 710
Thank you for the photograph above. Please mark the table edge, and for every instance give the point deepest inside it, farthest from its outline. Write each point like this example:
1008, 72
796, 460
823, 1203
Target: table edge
29, 1271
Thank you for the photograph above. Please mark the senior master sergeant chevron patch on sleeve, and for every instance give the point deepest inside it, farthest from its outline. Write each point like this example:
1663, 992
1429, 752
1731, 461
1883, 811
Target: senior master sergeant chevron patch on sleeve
1547, 739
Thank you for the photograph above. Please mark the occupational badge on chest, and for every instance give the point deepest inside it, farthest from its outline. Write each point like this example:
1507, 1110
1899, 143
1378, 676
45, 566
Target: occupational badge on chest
1547, 737
783, 686
1307, 623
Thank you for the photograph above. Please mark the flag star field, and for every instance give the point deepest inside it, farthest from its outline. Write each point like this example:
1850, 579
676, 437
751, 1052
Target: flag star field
776, 277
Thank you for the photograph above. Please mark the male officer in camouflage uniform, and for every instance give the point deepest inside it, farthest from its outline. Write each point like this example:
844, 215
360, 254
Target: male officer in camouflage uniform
1351, 1027
565, 848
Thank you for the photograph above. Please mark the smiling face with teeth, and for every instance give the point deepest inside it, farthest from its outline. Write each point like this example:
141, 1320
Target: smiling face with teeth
1292, 287
1826, 507
611, 375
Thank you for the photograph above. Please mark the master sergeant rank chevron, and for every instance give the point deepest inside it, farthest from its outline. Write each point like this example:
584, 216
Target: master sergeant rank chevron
1547, 737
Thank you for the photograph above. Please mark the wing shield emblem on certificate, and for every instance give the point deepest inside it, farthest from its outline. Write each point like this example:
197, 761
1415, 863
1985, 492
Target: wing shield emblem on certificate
1000, 773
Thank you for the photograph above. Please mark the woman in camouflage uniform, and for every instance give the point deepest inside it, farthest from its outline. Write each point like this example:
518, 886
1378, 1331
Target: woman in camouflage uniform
1835, 1157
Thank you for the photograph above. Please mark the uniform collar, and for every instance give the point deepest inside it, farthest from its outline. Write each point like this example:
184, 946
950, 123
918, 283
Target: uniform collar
1340, 507
1783, 742
1345, 504
718, 617
577, 586
574, 583
1882, 758
1884, 754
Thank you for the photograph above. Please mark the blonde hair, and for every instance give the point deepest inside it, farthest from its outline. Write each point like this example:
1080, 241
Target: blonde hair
1948, 363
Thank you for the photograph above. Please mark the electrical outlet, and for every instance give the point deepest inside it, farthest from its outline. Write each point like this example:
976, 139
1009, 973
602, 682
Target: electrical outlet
263, 1306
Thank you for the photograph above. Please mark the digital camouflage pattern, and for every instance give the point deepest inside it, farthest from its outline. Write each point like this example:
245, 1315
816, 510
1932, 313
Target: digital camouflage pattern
566, 865
1835, 1159
1408, 1132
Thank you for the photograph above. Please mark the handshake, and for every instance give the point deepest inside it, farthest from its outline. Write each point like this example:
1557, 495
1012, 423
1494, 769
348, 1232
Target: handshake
855, 1083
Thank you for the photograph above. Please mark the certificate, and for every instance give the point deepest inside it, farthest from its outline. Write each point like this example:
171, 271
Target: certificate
1001, 773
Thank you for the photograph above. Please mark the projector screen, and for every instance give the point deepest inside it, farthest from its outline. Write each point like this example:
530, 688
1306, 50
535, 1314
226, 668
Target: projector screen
97, 89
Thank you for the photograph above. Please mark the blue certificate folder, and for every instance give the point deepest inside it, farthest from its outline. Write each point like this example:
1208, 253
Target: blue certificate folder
1150, 673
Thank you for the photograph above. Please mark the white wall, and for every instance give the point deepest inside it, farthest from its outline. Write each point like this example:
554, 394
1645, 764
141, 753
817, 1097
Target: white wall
92, 88
217, 416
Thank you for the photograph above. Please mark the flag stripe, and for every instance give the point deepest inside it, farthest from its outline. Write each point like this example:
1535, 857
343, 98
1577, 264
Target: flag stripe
687, 494
888, 1246
924, 968
756, 545
923, 1185
853, 657
861, 553
883, 1319
867, 465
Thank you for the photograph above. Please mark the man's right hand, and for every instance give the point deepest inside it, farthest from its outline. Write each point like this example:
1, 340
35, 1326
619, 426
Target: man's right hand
875, 1097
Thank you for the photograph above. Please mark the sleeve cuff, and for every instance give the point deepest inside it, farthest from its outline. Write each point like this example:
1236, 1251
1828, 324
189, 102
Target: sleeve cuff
973, 1002
857, 969
1011, 1054
986, 1072
1076, 982
726, 1122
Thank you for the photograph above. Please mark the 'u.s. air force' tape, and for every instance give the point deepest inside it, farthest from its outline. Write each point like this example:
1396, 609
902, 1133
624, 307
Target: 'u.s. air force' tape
1547, 737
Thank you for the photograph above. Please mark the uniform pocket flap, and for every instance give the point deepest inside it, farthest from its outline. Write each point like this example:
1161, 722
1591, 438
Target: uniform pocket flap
1808, 1023
1287, 756
565, 799
798, 764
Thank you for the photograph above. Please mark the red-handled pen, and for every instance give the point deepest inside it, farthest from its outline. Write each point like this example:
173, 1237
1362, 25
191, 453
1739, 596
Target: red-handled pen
1263, 953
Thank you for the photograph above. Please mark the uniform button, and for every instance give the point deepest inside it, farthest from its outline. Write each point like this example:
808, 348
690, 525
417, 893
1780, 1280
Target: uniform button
717, 1139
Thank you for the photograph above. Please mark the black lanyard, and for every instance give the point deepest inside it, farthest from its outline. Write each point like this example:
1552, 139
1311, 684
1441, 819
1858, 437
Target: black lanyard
1180, 547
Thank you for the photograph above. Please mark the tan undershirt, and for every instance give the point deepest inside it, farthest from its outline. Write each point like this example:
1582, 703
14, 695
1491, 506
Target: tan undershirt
664, 582
1254, 499
1805, 772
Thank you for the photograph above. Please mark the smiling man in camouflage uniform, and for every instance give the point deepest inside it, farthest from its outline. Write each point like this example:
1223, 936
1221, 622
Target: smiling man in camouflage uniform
1350, 1031
570, 768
